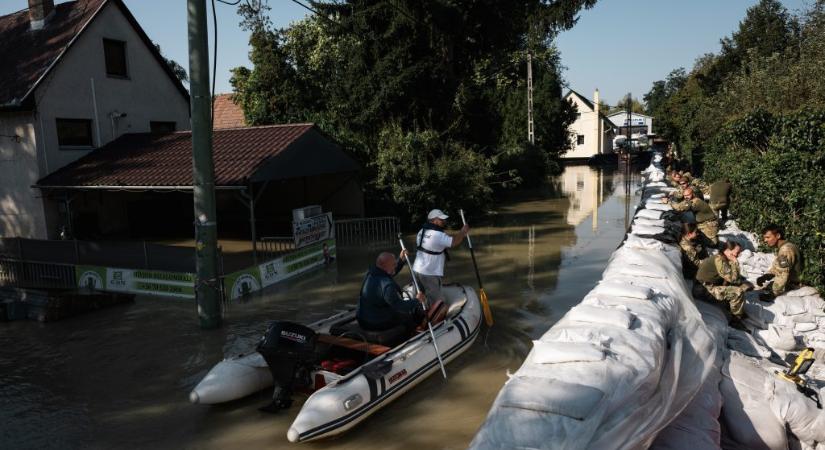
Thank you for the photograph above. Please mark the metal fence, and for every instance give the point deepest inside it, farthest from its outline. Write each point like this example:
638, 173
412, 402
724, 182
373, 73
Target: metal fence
123, 254
369, 231
24, 274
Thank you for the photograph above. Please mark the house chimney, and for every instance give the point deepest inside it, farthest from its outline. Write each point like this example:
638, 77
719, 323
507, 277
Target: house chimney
598, 122
39, 11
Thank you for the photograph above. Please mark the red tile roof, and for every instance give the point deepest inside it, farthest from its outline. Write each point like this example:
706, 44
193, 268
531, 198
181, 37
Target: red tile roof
28, 55
227, 113
144, 159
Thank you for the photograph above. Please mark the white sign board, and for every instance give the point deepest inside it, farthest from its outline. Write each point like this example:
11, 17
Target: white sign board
313, 229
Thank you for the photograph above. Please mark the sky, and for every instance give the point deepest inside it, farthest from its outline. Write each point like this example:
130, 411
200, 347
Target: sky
619, 46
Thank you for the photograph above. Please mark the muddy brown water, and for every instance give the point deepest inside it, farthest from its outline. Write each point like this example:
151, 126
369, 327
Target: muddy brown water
120, 378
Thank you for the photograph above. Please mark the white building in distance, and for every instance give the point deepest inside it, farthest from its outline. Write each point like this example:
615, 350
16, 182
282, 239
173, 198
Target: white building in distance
640, 124
592, 132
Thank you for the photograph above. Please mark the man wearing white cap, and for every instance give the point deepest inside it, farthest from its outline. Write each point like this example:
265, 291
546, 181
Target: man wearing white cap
432, 243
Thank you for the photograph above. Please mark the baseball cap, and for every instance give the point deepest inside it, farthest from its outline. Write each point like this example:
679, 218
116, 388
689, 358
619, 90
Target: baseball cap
437, 214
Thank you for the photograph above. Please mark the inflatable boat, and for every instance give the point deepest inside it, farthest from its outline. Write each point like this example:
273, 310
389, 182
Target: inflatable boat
350, 372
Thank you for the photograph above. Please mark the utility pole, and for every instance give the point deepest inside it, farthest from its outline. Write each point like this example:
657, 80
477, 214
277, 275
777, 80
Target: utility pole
207, 284
531, 136
629, 117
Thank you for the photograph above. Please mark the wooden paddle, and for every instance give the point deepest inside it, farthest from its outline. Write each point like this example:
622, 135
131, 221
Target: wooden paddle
485, 304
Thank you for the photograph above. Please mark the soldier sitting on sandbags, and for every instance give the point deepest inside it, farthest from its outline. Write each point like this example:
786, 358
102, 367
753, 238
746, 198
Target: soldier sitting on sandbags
705, 218
693, 250
719, 278
786, 268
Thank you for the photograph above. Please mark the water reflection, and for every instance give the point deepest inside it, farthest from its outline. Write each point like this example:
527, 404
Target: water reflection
586, 188
120, 377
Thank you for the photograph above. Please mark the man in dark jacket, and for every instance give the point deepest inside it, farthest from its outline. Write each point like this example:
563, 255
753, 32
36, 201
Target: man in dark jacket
381, 305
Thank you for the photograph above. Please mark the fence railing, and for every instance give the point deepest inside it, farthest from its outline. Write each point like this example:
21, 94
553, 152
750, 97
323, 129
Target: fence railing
369, 231
123, 254
25, 274
274, 246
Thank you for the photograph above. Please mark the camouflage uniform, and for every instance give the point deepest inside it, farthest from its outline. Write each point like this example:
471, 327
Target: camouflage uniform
705, 217
786, 268
720, 198
693, 253
700, 186
720, 278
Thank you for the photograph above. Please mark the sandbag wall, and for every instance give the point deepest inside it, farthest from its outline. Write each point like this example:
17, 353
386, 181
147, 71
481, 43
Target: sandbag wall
621, 365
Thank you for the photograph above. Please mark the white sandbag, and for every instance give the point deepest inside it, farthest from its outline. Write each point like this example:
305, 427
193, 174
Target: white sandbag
649, 222
547, 395
802, 292
638, 242
563, 352
804, 419
778, 338
745, 387
647, 229
791, 306
632, 270
744, 343
618, 289
804, 327
607, 316
816, 305
756, 314
649, 214
657, 206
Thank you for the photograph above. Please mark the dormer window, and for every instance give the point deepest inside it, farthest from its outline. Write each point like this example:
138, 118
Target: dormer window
115, 54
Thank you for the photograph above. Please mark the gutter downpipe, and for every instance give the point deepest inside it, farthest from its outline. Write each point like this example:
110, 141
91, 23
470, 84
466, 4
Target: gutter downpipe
97, 119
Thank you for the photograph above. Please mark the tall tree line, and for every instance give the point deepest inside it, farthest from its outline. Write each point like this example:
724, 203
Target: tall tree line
755, 113
429, 94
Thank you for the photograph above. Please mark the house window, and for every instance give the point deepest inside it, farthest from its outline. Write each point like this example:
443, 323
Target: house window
580, 139
161, 127
115, 54
74, 133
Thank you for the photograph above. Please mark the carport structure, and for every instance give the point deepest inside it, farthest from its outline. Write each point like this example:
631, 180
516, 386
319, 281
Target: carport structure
140, 185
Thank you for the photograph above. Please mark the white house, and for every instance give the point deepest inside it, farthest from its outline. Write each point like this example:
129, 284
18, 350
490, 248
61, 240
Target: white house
640, 124
591, 133
74, 77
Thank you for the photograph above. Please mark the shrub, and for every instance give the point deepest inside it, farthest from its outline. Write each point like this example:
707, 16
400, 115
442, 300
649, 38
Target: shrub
419, 171
776, 164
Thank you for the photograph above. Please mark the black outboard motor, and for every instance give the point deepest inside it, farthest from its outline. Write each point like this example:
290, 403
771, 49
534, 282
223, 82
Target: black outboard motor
289, 351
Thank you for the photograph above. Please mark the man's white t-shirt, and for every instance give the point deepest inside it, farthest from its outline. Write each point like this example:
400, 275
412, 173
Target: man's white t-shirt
434, 241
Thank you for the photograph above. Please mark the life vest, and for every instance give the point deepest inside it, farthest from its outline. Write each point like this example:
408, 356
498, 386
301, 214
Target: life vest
419, 247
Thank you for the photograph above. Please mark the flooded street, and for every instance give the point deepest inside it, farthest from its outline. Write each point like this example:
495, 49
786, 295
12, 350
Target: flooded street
120, 378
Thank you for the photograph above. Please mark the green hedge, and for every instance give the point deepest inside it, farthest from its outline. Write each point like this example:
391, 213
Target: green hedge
776, 165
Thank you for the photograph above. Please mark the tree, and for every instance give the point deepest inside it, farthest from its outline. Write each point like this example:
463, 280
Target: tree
176, 68
445, 68
635, 105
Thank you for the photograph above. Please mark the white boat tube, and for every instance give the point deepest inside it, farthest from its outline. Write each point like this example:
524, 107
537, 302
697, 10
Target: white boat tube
238, 376
346, 401
343, 404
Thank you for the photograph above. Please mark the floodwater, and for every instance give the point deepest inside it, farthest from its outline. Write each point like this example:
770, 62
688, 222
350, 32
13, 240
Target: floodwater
120, 378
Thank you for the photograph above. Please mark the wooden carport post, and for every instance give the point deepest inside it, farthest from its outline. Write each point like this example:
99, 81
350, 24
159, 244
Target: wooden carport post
249, 199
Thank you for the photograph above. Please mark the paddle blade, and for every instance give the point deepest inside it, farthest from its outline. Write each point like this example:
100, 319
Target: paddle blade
485, 307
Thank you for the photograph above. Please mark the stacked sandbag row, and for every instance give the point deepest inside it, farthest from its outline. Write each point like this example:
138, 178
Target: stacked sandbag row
621, 365
762, 410
759, 410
